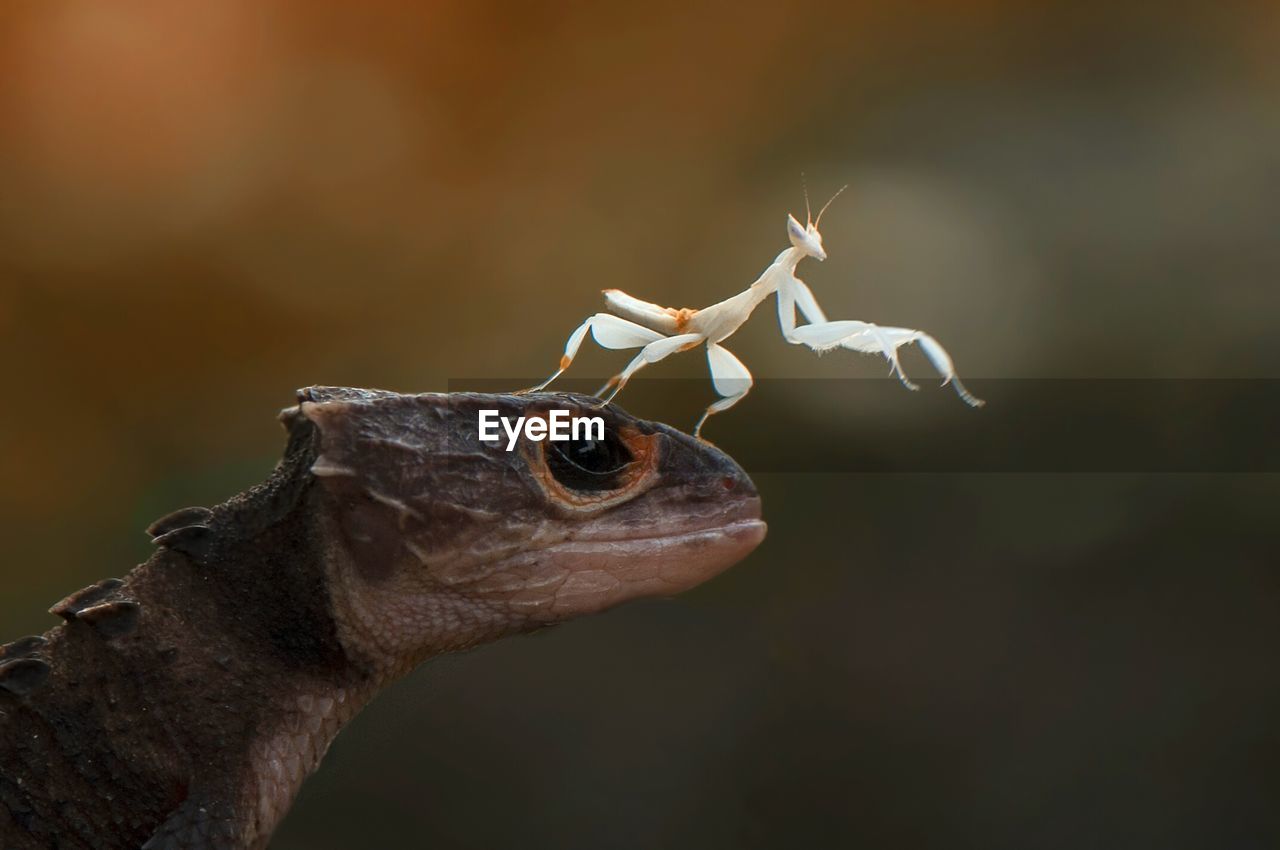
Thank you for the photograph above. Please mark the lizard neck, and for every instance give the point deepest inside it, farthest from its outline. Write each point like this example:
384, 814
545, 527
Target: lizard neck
203, 688
305, 720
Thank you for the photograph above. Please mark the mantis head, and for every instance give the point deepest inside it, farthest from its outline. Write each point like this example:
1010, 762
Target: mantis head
807, 238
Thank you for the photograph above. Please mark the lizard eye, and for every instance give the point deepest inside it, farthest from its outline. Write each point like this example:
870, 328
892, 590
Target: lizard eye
591, 475
588, 465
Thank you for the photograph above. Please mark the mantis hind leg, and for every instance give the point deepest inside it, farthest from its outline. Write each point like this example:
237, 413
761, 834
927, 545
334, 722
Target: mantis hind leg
651, 353
610, 332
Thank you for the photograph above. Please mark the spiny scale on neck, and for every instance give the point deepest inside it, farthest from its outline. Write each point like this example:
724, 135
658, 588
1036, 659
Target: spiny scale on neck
191, 676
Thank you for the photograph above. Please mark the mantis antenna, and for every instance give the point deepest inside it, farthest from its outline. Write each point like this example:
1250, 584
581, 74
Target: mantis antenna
804, 186
827, 204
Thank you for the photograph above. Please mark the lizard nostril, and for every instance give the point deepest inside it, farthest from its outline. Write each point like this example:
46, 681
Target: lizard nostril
729, 482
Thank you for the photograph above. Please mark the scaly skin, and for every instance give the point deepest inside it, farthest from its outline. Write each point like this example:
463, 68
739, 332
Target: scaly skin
183, 706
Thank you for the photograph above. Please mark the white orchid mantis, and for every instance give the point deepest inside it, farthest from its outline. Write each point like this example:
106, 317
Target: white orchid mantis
661, 331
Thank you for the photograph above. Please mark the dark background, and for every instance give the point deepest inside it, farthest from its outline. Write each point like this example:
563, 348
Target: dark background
955, 634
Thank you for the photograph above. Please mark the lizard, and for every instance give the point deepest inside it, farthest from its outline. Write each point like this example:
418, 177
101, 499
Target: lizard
183, 705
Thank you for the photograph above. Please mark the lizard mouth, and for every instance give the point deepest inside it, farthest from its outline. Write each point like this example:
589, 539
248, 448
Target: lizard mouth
597, 570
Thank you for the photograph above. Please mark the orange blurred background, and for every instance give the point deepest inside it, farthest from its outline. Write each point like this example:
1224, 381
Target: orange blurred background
206, 205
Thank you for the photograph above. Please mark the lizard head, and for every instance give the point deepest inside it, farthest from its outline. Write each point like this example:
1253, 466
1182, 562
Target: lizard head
435, 539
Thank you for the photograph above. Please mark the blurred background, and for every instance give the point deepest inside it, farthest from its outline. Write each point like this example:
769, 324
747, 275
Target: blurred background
204, 206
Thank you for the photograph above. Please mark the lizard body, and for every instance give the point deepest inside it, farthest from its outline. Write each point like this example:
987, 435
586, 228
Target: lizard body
183, 705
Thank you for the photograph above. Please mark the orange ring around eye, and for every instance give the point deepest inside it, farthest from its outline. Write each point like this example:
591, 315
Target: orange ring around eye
636, 477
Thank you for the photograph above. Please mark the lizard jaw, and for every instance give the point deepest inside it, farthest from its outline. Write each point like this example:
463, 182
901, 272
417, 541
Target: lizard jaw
602, 574
589, 573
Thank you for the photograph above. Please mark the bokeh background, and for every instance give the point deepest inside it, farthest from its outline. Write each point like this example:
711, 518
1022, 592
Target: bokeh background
206, 205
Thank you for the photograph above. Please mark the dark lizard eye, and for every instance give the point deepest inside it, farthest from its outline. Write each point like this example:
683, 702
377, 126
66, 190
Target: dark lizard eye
588, 465
593, 475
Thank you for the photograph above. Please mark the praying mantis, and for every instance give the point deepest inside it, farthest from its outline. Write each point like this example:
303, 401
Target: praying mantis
662, 331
